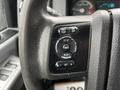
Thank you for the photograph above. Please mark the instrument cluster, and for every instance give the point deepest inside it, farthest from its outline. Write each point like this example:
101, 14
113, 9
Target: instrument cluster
87, 7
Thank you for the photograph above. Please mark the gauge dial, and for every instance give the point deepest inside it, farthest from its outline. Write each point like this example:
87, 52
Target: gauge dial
82, 7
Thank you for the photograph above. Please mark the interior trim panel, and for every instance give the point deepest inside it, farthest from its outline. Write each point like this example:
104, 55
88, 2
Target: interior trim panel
114, 72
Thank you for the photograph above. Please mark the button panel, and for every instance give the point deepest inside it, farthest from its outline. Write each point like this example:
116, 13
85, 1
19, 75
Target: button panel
69, 49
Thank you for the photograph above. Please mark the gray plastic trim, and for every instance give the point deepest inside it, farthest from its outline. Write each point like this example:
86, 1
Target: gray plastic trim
9, 46
99, 50
60, 6
114, 72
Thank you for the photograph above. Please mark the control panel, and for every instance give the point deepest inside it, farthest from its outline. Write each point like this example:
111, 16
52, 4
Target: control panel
69, 50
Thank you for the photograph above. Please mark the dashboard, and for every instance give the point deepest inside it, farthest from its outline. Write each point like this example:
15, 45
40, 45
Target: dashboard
87, 7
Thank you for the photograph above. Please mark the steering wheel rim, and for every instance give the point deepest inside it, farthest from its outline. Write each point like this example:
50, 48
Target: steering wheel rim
30, 8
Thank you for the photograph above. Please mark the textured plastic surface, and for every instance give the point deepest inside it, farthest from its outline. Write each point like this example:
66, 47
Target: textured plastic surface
99, 50
5, 18
114, 72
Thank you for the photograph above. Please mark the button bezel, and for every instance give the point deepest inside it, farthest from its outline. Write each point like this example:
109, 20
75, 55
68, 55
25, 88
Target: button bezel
81, 57
58, 52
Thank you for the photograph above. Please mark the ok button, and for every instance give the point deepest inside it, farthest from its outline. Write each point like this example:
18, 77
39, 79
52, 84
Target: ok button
66, 47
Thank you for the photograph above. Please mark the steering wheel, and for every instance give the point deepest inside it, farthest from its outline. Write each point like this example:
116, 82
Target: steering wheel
88, 39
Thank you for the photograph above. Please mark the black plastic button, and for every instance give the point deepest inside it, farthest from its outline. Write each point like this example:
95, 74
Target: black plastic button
64, 64
74, 30
63, 30
67, 55
71, 63
68, 30
66, 47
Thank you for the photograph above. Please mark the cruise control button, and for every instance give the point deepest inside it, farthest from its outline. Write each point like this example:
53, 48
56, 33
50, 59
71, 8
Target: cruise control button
74, 29
68, 30
59, 64
64, 64
66, 55
71, 63
62, 30
66, 40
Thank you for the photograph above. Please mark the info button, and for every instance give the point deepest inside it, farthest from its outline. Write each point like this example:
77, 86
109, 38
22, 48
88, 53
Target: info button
62, 30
